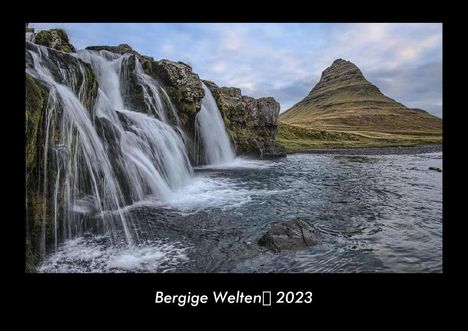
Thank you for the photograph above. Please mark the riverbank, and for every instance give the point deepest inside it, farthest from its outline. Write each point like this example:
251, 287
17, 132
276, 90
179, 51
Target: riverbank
390, 150
302, 140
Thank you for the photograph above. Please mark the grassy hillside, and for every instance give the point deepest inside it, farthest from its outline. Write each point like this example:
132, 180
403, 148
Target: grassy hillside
351, 118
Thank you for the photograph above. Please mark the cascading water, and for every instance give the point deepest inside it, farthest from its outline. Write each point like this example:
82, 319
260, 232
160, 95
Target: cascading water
211, 132
152, 154
98, 160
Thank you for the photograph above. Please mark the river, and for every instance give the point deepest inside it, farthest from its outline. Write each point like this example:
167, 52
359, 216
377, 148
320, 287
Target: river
375, 213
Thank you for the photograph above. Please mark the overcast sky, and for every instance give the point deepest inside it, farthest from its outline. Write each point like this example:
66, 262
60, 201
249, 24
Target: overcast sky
286, 60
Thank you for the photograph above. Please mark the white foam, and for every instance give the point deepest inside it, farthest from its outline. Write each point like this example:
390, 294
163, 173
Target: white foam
239, 163
82, 256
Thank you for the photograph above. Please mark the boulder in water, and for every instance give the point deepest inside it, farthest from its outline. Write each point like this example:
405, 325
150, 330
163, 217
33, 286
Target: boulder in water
435, 169
294, 234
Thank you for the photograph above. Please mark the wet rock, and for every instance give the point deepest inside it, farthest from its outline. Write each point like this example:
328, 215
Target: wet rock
294, 234
119, 49
251, 123
181, 83
37, 206
435, 169
122, 49
62, 66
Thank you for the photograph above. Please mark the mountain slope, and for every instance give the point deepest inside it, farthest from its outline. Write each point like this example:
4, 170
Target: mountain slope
344, 101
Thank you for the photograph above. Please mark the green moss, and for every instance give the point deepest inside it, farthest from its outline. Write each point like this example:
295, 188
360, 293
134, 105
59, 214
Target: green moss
54, 38
36, 97
62, 34
90, 87
43, 37
36, 101
178, 97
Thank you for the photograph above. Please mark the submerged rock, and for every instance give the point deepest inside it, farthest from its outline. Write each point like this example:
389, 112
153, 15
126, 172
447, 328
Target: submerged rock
294, 234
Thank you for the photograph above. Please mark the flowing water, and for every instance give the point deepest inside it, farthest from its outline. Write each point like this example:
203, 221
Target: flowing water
375, 213
215, 143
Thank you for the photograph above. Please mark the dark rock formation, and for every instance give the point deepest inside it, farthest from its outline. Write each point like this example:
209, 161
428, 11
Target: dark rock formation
252, 123
294, 234
182, 85
435, 169
122, 49
56, 39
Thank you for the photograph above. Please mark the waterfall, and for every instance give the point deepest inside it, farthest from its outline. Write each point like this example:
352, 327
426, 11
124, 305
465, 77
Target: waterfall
153, 154
98, 160
212, 133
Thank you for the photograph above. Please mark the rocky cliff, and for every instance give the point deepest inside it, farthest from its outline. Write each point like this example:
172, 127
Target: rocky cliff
344, 99
252, 123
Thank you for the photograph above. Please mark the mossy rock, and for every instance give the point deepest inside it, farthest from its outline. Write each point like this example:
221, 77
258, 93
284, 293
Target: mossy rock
36, 102
54, 38
36, 98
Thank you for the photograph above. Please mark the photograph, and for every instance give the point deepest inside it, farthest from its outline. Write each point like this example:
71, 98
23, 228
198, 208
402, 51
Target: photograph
240, 148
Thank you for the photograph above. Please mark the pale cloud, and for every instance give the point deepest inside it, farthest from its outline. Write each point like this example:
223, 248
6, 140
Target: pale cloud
232, 38
218, 67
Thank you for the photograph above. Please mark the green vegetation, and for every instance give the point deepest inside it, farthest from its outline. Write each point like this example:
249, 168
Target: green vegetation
298, 139
54, 38
36, 103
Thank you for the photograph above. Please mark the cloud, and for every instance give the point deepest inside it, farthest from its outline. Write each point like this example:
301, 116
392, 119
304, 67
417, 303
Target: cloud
285, 60
417, 86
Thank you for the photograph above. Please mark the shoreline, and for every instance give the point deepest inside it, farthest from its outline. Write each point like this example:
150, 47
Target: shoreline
390, 150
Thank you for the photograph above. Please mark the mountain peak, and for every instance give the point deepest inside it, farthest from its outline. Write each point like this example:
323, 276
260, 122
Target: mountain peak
340, 66
339, 60
342, 75
345, 100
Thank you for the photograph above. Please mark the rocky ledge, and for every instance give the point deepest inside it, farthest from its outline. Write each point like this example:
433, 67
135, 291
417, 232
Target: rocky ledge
55, 38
